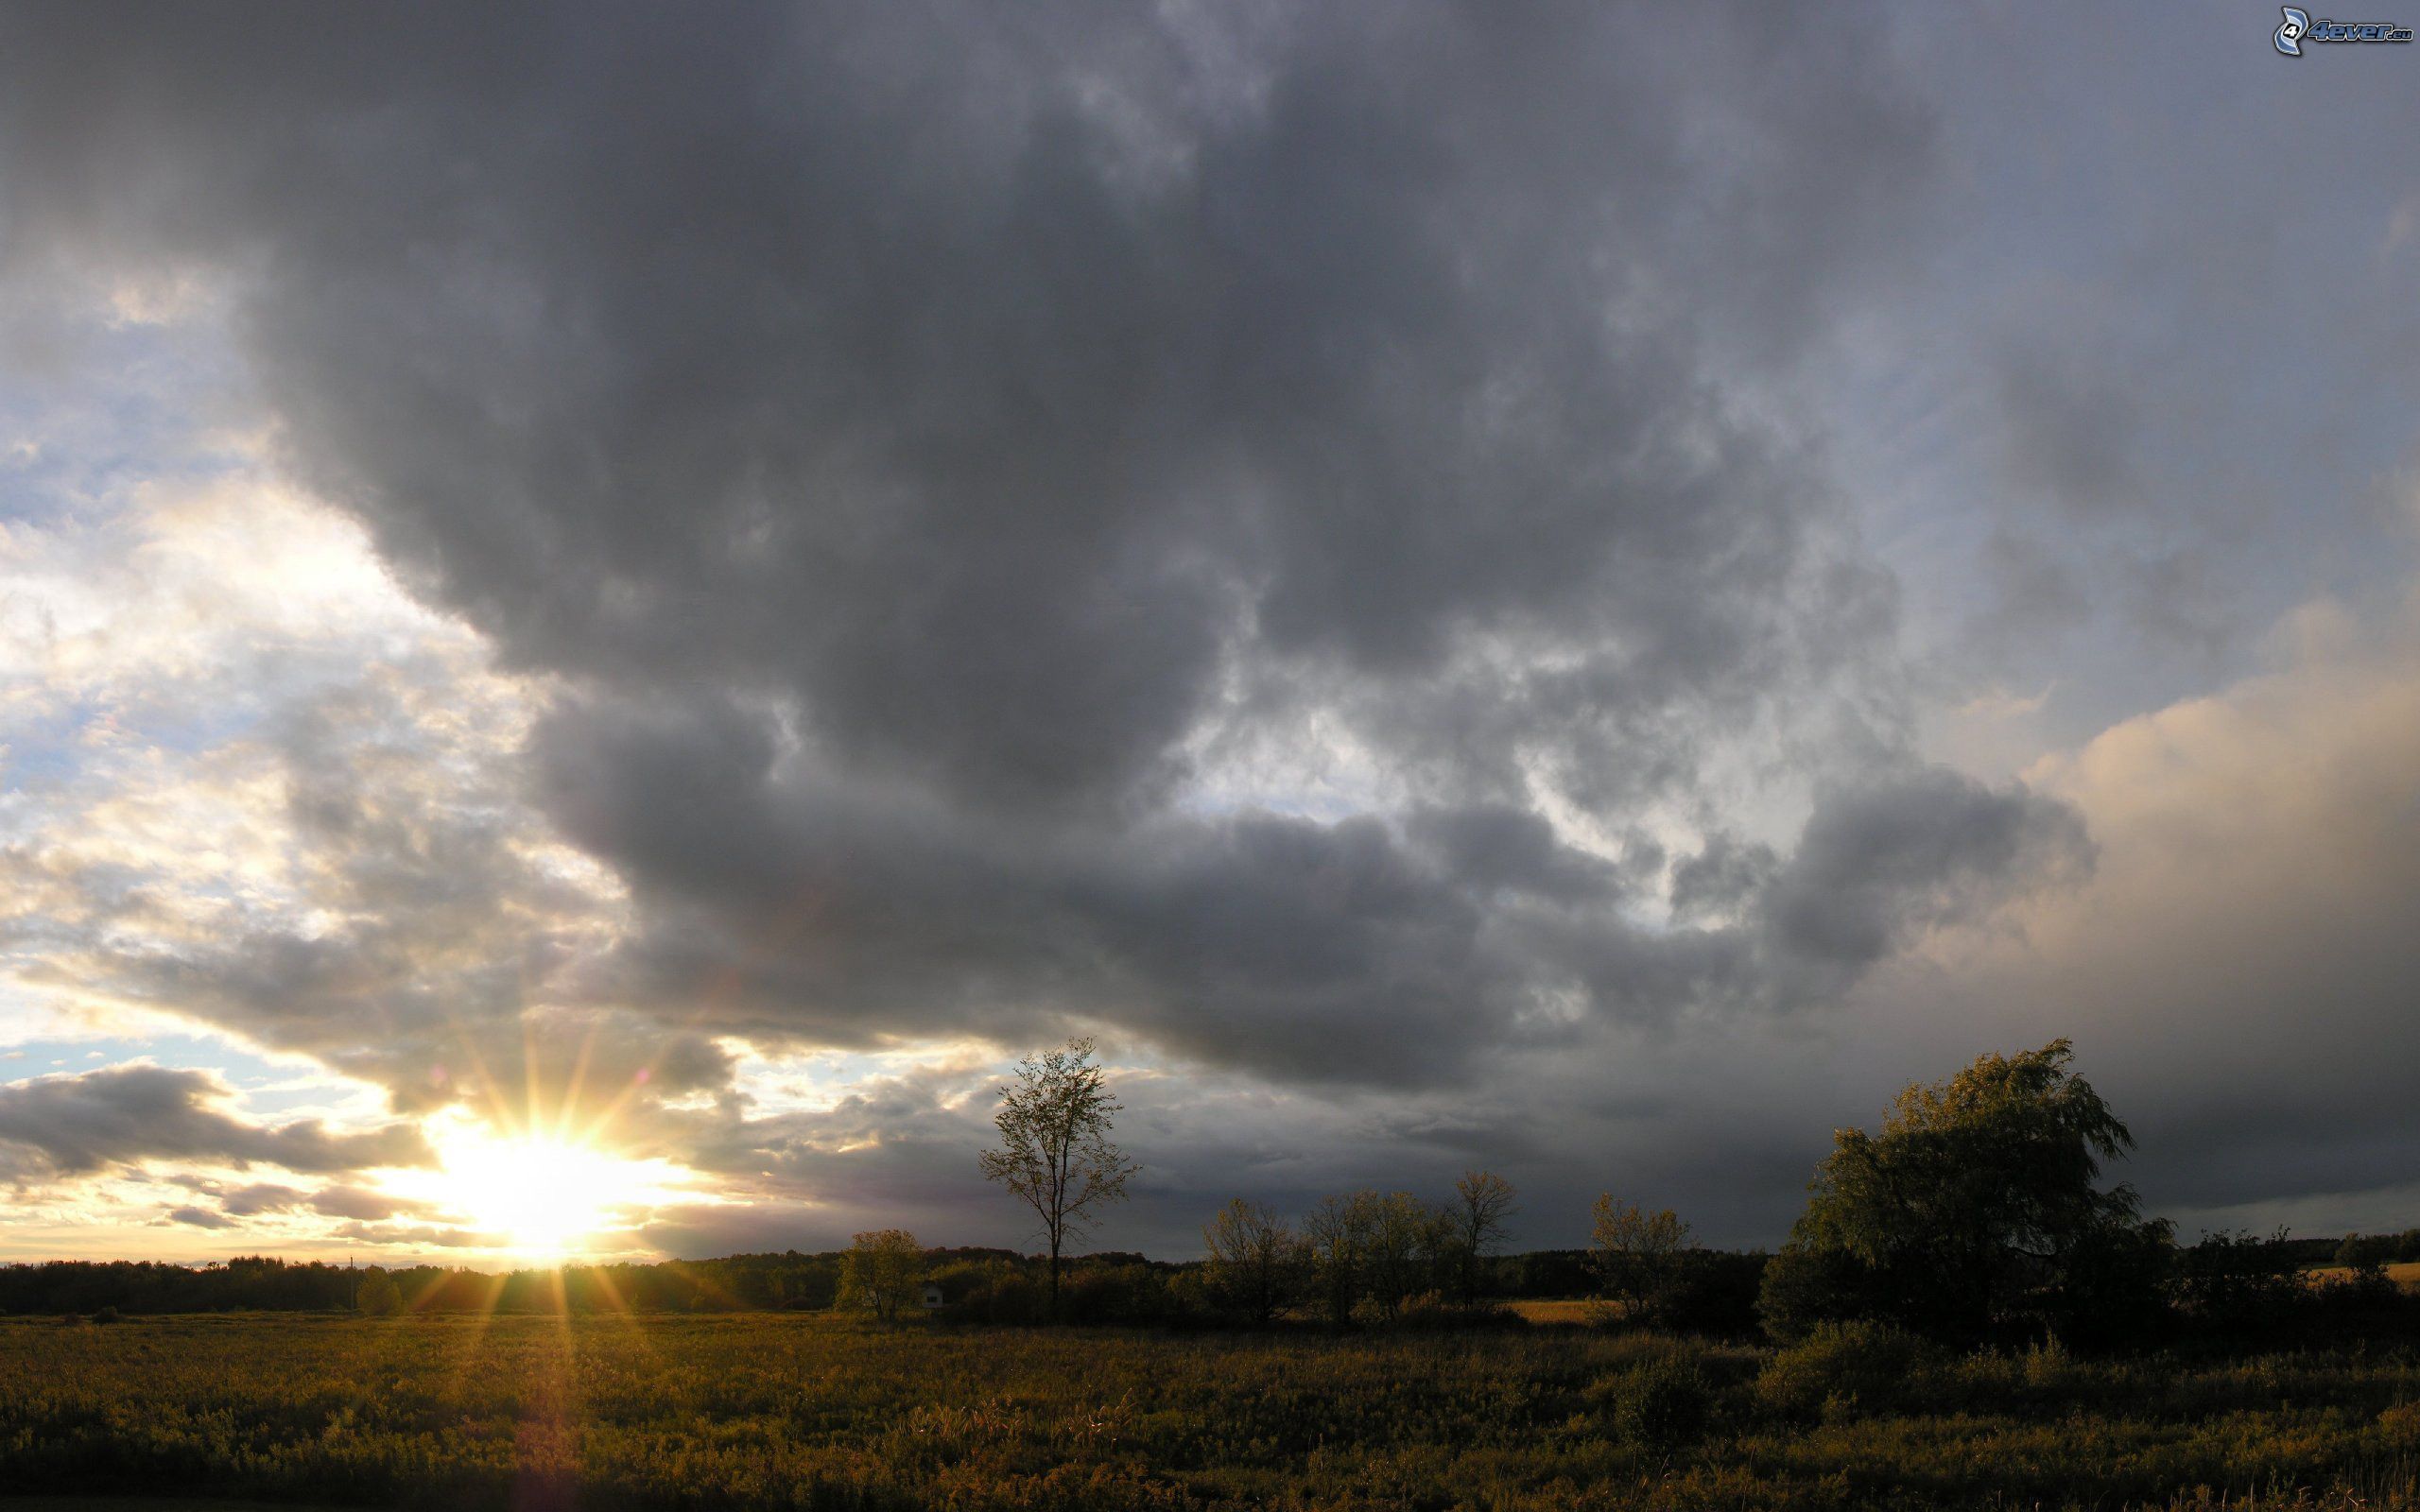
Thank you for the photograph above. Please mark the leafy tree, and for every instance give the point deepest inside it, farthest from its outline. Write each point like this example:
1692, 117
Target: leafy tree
1256, 1264
1482, 1203
1055, 1154
379, 1297
1637, 1254
1975, 1211
883, 1272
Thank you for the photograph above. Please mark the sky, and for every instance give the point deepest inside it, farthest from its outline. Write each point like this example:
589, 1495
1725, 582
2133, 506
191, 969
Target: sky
607, 611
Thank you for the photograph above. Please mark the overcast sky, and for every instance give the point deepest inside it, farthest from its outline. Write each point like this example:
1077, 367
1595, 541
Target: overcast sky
1583, 589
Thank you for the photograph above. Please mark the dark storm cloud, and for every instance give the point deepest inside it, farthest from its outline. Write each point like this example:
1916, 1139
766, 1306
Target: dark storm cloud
786, 905
986, 397
1926, 849
127, 1114
942, 455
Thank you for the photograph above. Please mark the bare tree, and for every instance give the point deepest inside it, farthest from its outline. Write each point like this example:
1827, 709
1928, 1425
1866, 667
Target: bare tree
1401, 1238
1255, 1262
882, 1272
1337, 1234
1482, 1202
1055, 1153
1639, 1254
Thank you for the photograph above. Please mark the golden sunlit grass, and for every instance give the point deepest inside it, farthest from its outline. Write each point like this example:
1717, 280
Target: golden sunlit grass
799, 1411
2405, 1273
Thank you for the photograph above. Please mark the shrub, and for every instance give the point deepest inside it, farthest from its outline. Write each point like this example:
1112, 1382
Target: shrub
1715, 1294
107, 1315
1843, 1368
1664, 1407
2236, 1283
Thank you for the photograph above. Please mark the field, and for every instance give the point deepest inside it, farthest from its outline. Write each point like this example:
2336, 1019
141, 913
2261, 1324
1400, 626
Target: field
806, 1411
2405, 1273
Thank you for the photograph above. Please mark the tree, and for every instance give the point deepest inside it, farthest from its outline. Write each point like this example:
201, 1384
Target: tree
1055, 1154
1637, 1255
1336, 1234
379, 1295
1400, 1238
883, 1272
1974, 1213
1255, 1262
1482, 1202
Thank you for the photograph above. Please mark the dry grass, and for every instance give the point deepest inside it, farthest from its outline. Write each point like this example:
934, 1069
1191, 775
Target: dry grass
2405, 1273
740, 1413
1558, 1310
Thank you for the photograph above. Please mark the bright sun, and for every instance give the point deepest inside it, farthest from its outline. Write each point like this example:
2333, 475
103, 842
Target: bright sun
549, 1199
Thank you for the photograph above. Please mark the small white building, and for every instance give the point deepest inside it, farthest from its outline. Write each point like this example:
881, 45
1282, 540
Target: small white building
932, 1297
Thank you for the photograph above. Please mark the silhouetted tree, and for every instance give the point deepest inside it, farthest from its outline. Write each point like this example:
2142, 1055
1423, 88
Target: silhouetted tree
1401, 1238
883, 1272
1337, 1234
1637, 1255
1255, 1263
1975, 1211
379, 1295
1482, 1203
1055, 1154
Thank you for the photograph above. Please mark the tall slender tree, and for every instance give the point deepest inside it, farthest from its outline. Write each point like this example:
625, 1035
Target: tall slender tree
1055, 1153
1482, 1203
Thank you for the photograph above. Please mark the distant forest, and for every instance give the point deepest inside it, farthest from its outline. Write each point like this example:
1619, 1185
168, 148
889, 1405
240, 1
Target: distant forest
768, 1282
977, 1284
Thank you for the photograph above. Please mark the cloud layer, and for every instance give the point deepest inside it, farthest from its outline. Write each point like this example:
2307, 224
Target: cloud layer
1451, 577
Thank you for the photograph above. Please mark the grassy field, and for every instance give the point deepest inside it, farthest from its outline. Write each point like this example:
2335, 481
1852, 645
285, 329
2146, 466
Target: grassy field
1558, 1310
804, 1411
2405, 1273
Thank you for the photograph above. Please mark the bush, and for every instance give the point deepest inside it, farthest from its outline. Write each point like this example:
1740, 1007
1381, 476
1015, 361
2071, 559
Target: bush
107, 1315
1804, 1287
1715, 1294
990, 1291
1843, 1368
2238, 1283
1664, 1407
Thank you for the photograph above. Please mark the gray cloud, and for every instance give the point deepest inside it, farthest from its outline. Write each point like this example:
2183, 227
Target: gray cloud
127, 1114
1313, 542
937, 474
1925, 849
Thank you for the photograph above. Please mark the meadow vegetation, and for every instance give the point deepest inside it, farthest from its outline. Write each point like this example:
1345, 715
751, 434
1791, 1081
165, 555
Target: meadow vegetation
1964, 1317
808, 1410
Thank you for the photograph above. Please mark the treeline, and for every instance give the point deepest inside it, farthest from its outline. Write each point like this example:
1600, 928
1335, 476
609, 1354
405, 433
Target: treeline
265, 1284
981, 1284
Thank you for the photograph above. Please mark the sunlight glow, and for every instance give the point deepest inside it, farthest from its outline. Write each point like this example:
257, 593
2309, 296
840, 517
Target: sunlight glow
543, 1198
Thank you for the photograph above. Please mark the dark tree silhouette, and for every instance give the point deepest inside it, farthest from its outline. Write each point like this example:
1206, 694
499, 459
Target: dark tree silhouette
1055, 1154
1975, 1211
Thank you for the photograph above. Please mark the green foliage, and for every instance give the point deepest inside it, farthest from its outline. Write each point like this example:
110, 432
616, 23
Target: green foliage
379, 1297
1974, 1215
884, 1272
